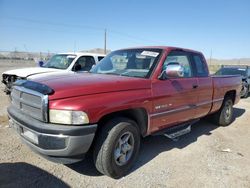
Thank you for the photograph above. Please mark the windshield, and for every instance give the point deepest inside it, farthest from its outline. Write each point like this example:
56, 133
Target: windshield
131, 63
60, 61
231, 71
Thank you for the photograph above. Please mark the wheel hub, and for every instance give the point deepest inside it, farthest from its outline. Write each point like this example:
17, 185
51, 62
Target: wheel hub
124, 148
228, 111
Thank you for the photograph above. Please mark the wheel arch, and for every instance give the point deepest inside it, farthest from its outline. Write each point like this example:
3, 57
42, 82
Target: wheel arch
139, 115
230, 94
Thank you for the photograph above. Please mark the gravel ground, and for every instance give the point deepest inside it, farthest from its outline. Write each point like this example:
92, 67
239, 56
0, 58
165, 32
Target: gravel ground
209, 156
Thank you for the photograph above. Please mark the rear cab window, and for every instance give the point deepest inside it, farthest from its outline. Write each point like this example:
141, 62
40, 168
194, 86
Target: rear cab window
200, 66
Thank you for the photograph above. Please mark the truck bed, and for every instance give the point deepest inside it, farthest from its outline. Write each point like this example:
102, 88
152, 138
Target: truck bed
222, 84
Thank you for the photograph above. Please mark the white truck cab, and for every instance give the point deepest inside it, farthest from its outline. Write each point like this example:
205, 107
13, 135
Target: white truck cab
62, 62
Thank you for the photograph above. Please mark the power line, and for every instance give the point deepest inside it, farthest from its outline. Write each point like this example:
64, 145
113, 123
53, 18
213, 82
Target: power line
83, 26
134, 37
43, 29
52, 23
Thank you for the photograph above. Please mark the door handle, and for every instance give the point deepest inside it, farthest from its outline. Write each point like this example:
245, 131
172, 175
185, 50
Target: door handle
195, 86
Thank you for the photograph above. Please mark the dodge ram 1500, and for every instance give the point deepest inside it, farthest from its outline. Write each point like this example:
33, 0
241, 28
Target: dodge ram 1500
130, 94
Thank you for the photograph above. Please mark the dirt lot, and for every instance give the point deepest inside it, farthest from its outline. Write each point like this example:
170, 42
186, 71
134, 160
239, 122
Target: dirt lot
209, 156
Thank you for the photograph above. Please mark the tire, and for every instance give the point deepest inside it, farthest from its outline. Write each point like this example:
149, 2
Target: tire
117, 146
246, 91
225, 115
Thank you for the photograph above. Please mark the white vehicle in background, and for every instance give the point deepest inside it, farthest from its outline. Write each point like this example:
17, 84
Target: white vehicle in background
62, 62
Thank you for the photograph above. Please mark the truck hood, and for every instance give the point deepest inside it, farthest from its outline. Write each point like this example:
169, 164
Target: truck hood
25, 72
73, 84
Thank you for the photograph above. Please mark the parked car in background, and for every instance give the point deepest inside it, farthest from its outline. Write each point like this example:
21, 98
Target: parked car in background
131, 93
63, 62
242, 70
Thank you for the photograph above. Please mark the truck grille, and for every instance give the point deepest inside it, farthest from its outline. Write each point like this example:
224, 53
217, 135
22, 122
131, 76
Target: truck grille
30, 102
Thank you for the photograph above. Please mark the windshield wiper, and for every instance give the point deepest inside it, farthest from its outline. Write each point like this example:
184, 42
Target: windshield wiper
122, 74
112, 73
134, 76
127, 74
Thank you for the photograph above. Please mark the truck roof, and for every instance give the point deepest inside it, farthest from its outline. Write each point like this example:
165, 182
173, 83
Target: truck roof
165, 48
83, 53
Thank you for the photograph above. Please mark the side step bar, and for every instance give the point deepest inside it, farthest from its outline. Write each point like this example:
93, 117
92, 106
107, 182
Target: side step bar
174, 136
176, 131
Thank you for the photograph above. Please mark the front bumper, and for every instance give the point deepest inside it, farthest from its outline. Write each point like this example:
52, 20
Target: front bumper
59, 143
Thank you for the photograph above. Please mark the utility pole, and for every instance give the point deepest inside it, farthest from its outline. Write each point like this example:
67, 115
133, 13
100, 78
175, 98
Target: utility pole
105, 41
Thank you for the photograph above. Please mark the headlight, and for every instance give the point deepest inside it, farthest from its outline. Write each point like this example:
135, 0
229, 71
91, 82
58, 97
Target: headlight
68, 117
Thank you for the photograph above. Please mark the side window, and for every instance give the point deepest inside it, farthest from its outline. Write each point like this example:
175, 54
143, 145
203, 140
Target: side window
183, 59
201, 69
86, 63
100, 58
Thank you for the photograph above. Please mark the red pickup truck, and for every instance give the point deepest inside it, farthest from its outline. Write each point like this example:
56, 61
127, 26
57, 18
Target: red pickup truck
130, 94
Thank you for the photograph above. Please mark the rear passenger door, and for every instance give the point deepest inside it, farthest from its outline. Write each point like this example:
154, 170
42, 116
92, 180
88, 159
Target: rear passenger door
174, 98
204, 86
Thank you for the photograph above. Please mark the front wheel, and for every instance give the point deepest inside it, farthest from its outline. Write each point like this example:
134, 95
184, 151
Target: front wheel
117, 147
225, 115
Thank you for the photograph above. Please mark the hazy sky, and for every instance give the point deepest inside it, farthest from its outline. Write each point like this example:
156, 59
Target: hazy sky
220, 26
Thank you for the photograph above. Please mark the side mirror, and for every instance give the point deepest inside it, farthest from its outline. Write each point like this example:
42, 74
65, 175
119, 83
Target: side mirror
40, 63
172, 70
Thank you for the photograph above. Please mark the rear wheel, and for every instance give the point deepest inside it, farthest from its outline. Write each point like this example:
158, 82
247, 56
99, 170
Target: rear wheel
245, 91
117, 147
225, 115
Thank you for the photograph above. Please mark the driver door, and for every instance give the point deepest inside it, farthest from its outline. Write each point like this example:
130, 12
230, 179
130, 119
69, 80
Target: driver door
174, 98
